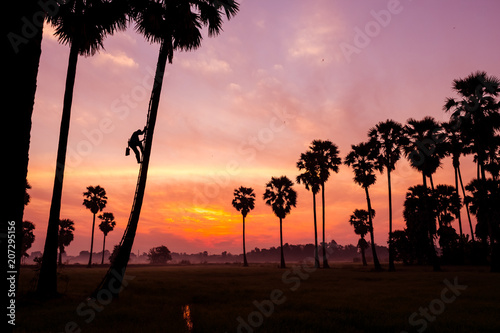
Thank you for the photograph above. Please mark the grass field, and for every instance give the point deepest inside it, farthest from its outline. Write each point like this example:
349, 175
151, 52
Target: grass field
227, 298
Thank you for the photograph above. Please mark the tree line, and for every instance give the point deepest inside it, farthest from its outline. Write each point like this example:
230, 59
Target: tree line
473, 129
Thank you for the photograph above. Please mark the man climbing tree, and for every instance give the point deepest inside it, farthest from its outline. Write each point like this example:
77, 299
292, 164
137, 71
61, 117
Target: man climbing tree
134, 142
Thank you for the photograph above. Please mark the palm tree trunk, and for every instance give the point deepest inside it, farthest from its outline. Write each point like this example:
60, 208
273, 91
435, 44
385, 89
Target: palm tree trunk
458, 214
281, 245
91, 242
466, 205
47, 281
376, 263
316, 254
325, 259
245, 263
116, 272
363, 256
103, 247
392, 268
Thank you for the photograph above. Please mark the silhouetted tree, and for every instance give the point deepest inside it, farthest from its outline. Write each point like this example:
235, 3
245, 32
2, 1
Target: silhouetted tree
66, 228
420, 216
388, 139
425, 148
477, 113
107, 224
484, 205
176, 25
456, 146
328, 161
244, 202
281, 197
28, 237
363, 161
159, 255
360, 221
404, 249
95, 200
82, 25
310, 178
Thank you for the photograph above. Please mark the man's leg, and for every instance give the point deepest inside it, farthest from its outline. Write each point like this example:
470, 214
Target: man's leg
137, 154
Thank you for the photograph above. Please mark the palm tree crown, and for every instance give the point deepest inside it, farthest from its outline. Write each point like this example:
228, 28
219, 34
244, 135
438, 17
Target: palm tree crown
244, 200
95, 199
280, 196
364, 163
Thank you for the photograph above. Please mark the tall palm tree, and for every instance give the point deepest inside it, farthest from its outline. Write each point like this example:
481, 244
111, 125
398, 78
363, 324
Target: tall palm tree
107, 225
83, 25
477, 111
364, 164
176, 25
311, 180
95, 200
328, 161
456, 146
388, 139
244, 202
359, 220
66, 228
425, 146
281, 197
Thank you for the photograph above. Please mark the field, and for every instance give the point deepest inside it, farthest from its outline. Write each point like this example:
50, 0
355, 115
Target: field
264, 298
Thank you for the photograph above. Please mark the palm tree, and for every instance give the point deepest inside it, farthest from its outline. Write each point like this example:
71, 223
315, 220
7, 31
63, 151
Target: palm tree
176, 25
66, 228
108, 224
82, 25
359, 220
364, 164
388, 139
310, 178
456, 146
476, 110
328, 160
425, 146
281, 197
95, 200
244, 202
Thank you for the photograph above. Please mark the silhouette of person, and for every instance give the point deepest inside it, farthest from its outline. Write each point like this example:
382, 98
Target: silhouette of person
134, 142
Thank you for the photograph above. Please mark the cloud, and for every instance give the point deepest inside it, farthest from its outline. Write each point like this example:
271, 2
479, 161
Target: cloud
208, 66
120, 59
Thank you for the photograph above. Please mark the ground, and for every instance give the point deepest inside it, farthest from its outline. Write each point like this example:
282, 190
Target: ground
264, 298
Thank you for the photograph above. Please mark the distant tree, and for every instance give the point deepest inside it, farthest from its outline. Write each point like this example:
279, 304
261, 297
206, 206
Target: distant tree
112, 257
28, 238
328, 161
281, 197
66, 228
308, 164
107, 224
244, 202
363, 161
360, 221
95, 200
388, 139
159, 255
403, 248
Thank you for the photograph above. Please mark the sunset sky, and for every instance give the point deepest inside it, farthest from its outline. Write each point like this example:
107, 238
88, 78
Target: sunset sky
243, 107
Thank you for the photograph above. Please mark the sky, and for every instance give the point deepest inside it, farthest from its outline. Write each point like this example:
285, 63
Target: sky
242, 108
